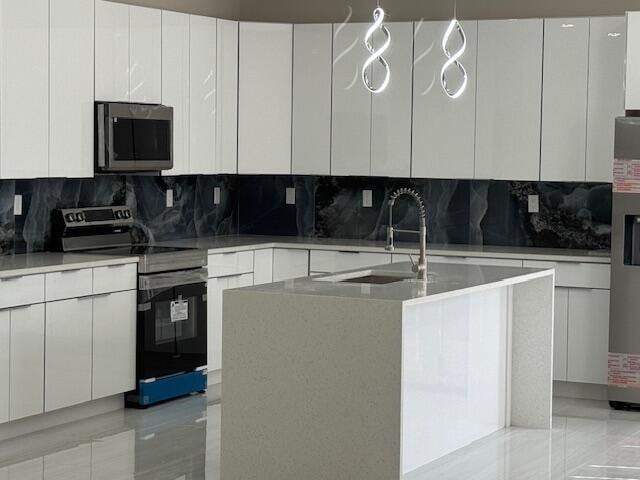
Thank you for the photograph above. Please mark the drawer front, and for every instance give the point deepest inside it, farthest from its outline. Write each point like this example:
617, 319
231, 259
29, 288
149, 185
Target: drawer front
225, 264
114, 278
68, 284
24, 290
495, 262
579, 275
329, 261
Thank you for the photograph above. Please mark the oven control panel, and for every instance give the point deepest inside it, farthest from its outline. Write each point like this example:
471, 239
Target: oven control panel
77, 217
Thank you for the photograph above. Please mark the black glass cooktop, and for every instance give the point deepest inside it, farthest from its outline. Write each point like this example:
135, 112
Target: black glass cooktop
138, 250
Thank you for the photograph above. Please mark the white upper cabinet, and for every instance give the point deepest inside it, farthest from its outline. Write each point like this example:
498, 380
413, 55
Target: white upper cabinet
351, 103
508, 103
264, 103
391, 108
632, 97
24, 89
202, 90
607, 42
145, 50
112, 51
311, 130
443, 128
564, 99
227, 98
175, 84
71, 88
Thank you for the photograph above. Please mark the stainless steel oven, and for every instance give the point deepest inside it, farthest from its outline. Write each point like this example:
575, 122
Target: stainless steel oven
133, 137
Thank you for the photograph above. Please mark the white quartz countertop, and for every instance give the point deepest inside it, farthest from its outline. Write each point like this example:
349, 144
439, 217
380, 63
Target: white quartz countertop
248, 242
46, 262
444, 281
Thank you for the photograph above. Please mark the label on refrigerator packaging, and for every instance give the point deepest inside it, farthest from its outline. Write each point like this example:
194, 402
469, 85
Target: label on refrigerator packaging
624, 370
626, 176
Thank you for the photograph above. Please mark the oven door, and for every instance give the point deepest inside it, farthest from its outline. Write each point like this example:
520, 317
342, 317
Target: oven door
134, 137
172, 323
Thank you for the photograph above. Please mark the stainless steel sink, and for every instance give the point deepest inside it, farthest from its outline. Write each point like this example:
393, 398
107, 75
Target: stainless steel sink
376, 279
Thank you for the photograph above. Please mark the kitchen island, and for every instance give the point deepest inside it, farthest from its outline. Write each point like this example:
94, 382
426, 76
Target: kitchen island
371, 374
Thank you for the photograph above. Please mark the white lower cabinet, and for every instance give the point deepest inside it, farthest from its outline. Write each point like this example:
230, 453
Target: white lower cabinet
330, 261
290, 263
263, 266
68, 338
114, 343
588, 335
560, 333
215, 288
26, 367
5, 331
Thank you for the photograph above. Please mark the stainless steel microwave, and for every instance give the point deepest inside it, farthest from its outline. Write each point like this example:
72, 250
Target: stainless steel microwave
133, 137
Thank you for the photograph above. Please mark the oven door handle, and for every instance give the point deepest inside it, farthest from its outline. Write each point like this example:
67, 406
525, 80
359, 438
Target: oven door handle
172, 279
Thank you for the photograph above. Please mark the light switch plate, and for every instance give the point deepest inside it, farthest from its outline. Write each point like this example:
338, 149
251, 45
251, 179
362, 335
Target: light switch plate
216, 195
169, 198
17, 205
291, 196
534, 203
367, 198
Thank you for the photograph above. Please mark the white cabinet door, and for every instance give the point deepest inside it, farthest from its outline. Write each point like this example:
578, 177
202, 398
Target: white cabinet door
202, 91
632, 97
24, 90
508, 103
68, 353
311, 124
112, 51
264, 98
215, 288
606, 93
175, 84
145, 49
26, 367
588, 334
71, 88
263, 266
443, 128
351, 103
564, 99
114, 343
560, 332
5, 342
227, 97
290, 263
391, 109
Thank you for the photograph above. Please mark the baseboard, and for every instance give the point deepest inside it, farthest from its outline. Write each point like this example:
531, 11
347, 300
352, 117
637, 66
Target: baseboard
60, 417
582, 391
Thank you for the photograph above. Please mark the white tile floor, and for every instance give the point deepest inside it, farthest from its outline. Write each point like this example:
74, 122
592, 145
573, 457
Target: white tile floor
181, 441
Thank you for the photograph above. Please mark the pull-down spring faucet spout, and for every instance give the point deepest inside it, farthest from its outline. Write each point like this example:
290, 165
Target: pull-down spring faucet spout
421, 267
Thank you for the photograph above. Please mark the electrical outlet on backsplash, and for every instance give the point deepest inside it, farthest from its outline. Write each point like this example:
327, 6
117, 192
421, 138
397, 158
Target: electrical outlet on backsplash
571, 215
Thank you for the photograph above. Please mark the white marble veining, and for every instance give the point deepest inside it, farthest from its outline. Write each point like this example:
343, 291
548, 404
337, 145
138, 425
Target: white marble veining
181, 439
444, 280
46, 262
234, 243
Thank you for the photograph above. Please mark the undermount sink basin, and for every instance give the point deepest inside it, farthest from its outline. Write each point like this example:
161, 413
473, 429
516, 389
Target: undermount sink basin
371, 277
375, 279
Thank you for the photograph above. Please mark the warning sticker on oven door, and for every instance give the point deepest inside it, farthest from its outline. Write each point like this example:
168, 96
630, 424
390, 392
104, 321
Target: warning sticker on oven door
179, 310
624, 370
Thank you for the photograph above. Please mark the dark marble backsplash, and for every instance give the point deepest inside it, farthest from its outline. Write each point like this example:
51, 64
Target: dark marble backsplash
479, 212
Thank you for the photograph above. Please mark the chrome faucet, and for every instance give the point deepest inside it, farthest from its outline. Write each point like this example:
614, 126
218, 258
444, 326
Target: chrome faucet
421, 267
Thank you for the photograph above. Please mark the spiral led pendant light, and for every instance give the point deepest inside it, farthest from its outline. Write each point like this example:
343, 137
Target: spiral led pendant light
378, 19
452, 59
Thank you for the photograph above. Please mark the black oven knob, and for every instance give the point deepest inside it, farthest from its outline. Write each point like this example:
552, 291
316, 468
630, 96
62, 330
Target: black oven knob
70, 218
119, 215
80, 217
127, 214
